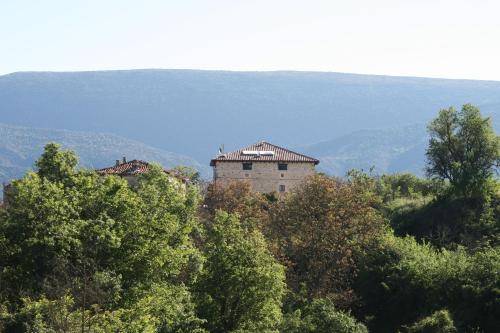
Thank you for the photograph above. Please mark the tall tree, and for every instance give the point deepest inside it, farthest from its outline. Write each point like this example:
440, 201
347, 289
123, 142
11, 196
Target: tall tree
319, 229
56, 164
463, 149
242, 285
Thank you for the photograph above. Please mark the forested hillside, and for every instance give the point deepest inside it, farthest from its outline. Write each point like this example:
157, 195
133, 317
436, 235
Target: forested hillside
386, 151
192, 112
21, 146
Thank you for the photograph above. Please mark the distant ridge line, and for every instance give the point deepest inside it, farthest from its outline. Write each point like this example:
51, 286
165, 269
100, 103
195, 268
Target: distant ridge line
278, 71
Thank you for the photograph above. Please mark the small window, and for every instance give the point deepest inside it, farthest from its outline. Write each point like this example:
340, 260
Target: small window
282, 188
247, 166
282, 166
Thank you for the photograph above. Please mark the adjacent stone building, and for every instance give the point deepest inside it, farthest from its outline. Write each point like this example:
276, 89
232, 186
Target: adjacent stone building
130, 170
7, 192
267, 167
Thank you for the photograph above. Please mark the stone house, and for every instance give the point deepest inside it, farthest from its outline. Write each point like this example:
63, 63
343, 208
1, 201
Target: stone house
130, 170
267, 167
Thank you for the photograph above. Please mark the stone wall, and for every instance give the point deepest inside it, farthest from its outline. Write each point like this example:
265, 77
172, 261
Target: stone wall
7, 192
264, 176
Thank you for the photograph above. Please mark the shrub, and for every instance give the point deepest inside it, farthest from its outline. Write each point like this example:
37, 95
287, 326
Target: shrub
439, 322
320, 316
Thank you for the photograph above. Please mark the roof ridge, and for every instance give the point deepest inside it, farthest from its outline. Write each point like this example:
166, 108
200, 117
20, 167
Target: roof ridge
281, 154
290, 151
134, 161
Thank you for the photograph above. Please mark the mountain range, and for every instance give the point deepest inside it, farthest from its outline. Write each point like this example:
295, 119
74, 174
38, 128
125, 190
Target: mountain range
345, 120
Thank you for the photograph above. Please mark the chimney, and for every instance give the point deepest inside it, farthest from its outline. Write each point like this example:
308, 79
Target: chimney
117, 163
124, 159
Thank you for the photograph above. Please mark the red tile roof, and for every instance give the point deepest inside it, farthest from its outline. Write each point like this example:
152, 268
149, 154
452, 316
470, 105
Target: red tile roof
279, 154
135, 168
131, 168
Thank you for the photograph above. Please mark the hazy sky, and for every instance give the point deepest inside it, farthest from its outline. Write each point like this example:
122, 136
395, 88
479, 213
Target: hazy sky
435, 38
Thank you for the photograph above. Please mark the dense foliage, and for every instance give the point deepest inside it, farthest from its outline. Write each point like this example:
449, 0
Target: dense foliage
402, 281
318, 230
320, 316
96, 248
382, 253
242, 285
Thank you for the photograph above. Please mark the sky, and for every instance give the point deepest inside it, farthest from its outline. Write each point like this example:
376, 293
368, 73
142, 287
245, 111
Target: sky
427, 38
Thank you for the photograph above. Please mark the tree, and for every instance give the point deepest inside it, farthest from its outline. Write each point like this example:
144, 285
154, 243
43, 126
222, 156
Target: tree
463, 149
56, 164
238, 198
187, 172
109, 248
242, 285
319, 229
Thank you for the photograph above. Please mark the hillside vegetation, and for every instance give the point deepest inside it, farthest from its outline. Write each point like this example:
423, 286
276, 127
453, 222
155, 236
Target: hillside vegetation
21, 146
192, 112
385, 150
86, 253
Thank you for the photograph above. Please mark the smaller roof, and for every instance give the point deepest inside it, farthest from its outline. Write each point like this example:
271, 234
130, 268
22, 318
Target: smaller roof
263, 152
131, 168
135, 168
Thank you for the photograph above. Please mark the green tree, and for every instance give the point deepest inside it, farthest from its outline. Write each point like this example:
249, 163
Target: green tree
188, 173
111, 248
56, 164
463, 149
242, 285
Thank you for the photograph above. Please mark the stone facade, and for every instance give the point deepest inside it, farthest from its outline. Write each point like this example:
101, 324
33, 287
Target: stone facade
7, 192
267, 167
265, 176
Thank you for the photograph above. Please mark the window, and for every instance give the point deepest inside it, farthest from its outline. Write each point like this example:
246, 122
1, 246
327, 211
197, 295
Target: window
247, 166
282, 166
282, 188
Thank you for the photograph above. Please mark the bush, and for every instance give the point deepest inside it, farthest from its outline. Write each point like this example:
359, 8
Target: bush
401, 280
438, 322
320, 316
447, 222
